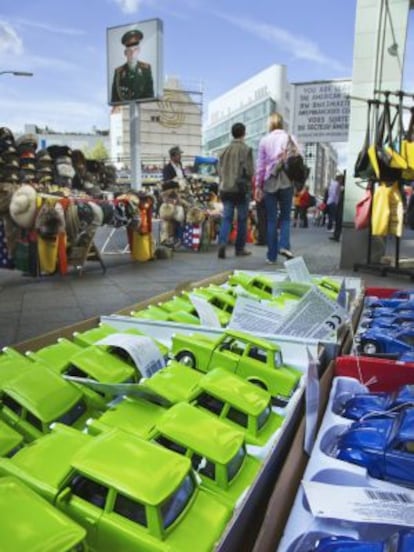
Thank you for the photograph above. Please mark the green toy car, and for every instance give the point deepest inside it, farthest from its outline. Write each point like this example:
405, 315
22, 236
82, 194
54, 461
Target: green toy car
93, 362
257, 360
10, 440
239, 403
30, 403
153, 312
216, 451
127, 493
29, 523
92, 336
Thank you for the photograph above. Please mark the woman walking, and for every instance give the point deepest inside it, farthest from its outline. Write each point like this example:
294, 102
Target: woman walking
276, 188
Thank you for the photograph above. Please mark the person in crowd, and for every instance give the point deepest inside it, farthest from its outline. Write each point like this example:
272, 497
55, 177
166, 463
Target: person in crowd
272, 148
339, 210
173, 170
304, 204
132, 80
332, 201
296, 208
235, 170
324, 207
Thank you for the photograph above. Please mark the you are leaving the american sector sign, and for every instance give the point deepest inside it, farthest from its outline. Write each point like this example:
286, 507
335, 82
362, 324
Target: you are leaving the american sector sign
321, 111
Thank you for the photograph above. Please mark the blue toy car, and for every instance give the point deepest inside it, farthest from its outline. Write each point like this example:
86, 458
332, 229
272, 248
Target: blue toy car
390, 321
382, 445
361, 404
377, 340
375, 303
402, 541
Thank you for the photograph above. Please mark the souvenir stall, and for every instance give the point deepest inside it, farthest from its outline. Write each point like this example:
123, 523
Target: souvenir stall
385, 166
51, 205
190, 214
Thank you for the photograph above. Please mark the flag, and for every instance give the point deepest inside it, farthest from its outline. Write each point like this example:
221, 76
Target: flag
192, 236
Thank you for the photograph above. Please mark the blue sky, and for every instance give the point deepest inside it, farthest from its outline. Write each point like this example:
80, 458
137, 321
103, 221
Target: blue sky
219, 43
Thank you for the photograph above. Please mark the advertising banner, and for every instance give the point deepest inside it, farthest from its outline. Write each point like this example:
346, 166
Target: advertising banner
134, 62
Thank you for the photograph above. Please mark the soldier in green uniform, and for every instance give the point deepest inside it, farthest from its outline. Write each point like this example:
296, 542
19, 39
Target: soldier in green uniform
133, 79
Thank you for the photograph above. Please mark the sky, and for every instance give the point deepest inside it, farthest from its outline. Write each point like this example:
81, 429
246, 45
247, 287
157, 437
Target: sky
215, 44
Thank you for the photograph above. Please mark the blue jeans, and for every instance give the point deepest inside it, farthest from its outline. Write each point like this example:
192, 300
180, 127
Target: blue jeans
278, 208
227, 222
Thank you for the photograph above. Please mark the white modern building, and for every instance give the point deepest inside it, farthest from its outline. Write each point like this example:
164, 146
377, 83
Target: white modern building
251, 103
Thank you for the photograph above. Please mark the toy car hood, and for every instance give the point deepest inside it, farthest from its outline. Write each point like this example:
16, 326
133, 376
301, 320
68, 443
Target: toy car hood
371, 434
362, 403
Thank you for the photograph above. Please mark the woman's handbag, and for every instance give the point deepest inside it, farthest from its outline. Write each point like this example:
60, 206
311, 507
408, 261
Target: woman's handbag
363, 211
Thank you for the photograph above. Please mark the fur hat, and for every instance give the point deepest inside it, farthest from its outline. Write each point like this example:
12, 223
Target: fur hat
195, 215
23, 206
167, 211
6, 192
179, 213
50, 221
27, 141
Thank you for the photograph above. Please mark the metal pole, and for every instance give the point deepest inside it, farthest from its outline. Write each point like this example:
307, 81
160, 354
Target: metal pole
134, 144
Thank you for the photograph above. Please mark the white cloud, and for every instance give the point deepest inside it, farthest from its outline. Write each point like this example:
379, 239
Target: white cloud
299, 47
50, 28
128, 6
10, 42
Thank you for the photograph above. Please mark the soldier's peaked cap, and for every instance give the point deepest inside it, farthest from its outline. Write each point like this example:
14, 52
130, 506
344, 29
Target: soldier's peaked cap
130, 38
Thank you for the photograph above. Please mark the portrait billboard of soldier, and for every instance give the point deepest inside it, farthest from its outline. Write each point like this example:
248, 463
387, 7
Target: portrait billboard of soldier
134, 62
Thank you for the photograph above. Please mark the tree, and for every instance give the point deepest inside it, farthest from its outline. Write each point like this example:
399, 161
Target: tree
98, 152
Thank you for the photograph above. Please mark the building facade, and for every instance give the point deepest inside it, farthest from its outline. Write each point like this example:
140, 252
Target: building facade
173, 121
251, 103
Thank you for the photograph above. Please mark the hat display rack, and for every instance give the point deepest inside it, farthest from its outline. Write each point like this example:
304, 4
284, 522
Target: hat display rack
48, 219
385, 165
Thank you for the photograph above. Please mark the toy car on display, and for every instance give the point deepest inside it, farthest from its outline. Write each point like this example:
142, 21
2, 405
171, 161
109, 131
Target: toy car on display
222, 393
127, 493
377, 340
403, 541
361, 404
92, 336
28, 522
153, 312
382, 445
183, 304
29, 403
257, 360
10, 440
217, 451
267, 288
393, 321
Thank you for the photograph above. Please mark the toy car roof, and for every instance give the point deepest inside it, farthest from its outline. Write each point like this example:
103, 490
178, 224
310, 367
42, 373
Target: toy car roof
9, 438
174, 382
201, 432
44, 393
139, 469
28, 522
238, 392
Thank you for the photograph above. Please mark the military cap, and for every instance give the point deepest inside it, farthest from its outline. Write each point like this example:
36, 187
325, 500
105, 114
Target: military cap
130, 38
175, 150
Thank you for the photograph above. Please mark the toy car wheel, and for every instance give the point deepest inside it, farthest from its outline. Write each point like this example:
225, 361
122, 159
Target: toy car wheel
370, 347
187, 358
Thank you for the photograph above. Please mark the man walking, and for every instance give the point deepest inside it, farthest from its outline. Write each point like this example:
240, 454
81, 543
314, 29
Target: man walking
236, 171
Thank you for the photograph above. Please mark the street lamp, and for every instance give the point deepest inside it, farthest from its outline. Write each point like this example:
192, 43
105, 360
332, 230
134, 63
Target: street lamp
17, 73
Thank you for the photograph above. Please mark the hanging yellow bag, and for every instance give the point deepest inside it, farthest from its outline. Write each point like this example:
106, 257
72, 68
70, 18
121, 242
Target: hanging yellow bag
142, 247
380, 214
396, 211
47, 250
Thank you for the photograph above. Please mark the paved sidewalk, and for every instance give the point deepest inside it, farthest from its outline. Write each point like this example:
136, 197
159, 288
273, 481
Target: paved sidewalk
30, 307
